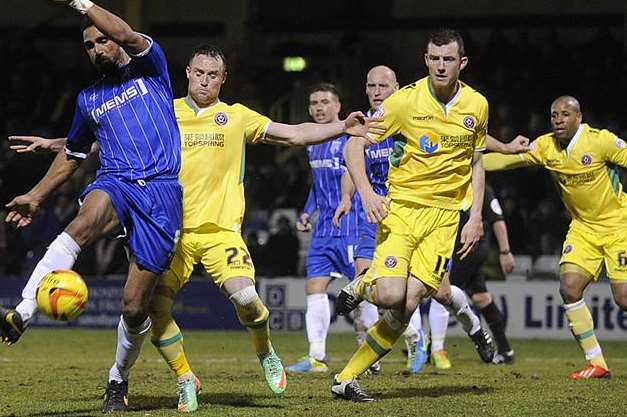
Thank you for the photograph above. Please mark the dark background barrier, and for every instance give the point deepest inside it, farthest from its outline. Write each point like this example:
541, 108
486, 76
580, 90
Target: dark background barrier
199, 305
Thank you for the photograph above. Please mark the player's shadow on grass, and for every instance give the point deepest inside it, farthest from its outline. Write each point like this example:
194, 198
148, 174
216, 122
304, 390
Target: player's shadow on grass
147, 402
436, 392
73, 413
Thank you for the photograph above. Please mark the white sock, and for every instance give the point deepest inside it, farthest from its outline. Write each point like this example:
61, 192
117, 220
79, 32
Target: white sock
129, 345
317, 321
461, 309
365, 316
61, 254
413, 328
438, 323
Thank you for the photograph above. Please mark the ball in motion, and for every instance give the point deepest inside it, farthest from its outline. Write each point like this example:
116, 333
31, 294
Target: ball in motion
62, 295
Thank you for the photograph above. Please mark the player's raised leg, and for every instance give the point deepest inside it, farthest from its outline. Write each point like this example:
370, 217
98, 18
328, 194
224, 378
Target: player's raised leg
400, 297
61, 254
96, 218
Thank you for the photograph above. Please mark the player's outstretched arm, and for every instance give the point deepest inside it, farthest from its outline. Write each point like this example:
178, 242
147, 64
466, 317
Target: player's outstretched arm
36, 144
473, 229
111, 25
24, 207
499, 162
375, 206
519, 144
356, 124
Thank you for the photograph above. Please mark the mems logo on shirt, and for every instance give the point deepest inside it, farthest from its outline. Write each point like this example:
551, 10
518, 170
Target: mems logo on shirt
381, 153
134, 91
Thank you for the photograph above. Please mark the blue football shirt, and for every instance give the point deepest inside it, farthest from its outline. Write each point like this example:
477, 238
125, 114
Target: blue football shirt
327, 164
130, 112
377, 165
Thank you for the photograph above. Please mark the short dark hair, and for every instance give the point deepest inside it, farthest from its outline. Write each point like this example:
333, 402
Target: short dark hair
85, 23
445, 36
324, 87
209, 50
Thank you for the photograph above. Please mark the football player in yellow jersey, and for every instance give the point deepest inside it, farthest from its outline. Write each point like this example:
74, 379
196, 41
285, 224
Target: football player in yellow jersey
439, 128
583, 162
214, 135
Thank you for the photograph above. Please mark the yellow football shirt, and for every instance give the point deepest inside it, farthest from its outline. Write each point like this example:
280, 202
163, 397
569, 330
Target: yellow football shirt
434, 143
213, 144
587, 176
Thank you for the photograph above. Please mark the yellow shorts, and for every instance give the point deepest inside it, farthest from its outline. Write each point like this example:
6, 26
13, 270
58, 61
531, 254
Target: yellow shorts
223, 254
589, 251
415, 240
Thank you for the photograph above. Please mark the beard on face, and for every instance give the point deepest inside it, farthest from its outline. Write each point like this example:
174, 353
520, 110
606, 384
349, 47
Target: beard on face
104, 64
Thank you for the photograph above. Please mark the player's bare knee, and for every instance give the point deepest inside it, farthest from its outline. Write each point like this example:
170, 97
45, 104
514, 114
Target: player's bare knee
390, 299
317, 285
134, 313
81, 230
443, 295
570, 293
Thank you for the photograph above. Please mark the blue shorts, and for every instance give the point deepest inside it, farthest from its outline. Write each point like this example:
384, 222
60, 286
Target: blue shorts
150, 213
331, 257
366, 242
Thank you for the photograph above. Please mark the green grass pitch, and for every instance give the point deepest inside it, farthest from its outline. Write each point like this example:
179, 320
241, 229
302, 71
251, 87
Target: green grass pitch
62, 372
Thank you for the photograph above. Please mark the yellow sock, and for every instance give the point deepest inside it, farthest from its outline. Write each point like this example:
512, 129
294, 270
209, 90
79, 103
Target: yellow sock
582, 327
381, 337
166, 335
253, 314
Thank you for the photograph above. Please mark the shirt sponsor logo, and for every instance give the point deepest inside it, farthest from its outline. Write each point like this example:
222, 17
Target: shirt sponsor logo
586, 160
132, 92
378, 153
427, 146
214, 140
458, 141
325, 163
578, 179
469, 122
221, 119
423, 117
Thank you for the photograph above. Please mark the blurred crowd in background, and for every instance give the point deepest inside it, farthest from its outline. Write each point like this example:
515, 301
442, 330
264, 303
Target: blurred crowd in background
519, 71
